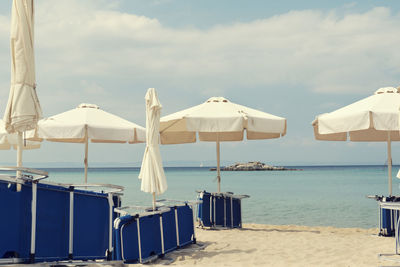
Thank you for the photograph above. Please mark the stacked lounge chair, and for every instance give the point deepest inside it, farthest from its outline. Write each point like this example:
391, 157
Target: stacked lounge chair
147, 234
220, 209
54, 222
388, 218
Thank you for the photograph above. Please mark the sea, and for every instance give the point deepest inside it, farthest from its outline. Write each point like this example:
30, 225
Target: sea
313, 195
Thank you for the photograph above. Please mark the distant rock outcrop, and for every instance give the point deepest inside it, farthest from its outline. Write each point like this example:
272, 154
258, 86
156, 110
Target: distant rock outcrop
253, 166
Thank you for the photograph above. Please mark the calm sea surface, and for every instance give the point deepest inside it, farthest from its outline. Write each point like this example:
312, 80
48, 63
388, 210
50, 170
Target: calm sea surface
328, 195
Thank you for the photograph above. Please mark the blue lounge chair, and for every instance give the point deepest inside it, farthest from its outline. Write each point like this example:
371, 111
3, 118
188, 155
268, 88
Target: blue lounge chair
53, 221
147, 234
220, 209
204, 209
387, 217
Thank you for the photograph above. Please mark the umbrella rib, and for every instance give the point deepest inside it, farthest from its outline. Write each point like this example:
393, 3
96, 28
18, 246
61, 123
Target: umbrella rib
171, 125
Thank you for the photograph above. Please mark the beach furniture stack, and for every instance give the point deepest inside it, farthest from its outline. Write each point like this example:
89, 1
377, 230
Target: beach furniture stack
149, 234
55, 222
388, 216
220, 209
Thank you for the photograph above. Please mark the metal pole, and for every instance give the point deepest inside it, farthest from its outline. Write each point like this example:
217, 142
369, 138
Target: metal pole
218, 166
71, 225
86, 153
162, 235
139, 240
389, 163
110, 224
19, 159
154, 201
19, 153
33, 221
177, 227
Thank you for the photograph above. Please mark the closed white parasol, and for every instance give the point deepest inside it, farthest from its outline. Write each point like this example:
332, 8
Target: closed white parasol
8, 140
152, 172
23, 109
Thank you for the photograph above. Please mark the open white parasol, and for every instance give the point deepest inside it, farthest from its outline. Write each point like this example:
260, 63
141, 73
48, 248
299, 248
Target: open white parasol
372, 119
89, 122
218, 120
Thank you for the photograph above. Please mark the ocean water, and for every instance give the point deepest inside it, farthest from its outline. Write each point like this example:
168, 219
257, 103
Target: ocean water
314, 196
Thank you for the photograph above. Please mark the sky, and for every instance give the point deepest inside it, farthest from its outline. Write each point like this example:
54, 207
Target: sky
294, 59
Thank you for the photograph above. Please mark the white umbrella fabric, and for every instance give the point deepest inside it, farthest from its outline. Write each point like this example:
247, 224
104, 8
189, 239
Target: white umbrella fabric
218, 120
152, 172
11, 140
372, 119
4, 143
89, 122
23, 109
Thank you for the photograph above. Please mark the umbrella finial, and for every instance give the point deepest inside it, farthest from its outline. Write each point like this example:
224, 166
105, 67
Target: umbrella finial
384, 90
217, 99
86, 105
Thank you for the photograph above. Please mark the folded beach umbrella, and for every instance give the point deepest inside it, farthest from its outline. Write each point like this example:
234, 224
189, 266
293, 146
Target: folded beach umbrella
152, 172
89, 122
11, 140
218, 120
4, 144
372, 119
23, 109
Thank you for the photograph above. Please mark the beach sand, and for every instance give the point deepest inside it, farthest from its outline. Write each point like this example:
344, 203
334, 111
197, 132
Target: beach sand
278, 245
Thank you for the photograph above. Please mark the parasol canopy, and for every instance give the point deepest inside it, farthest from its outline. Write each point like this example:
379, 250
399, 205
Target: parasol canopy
218, 120
89, 122
372, 119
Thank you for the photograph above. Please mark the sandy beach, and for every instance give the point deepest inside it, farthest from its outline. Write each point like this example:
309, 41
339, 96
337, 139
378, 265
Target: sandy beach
278, 245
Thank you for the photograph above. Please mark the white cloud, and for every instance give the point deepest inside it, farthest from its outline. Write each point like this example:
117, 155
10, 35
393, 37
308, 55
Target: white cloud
88, 51
320, 51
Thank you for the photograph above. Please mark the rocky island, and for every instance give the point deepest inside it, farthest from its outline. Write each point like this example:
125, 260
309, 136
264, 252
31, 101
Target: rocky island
253, 166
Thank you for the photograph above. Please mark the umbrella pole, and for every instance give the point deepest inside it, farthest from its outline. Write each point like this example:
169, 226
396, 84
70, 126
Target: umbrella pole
19, 159
86, 154
19, 153
218, 167
154, 201
389, 148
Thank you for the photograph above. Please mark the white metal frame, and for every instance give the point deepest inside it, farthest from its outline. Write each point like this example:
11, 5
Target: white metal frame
393, 206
